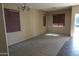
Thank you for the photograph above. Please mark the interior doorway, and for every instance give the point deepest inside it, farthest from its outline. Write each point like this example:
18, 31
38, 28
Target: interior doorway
76, 26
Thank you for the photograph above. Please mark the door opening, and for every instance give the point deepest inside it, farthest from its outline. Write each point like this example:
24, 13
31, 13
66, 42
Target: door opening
76, 26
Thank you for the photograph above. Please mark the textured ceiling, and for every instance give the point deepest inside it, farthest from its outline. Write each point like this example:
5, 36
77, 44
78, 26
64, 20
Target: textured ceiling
50, 6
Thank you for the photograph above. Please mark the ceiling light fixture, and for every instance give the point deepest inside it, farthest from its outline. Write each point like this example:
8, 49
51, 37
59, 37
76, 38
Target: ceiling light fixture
23, 6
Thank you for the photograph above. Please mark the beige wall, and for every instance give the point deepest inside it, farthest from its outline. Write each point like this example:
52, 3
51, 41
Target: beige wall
31, 25
66, 28
3, 44
75, 9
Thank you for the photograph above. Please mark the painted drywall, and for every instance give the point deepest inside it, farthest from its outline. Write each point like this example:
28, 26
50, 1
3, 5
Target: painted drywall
75, 9
61, 30
31, 25
3, 44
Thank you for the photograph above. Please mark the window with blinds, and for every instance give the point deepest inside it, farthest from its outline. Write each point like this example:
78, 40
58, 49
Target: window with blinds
59, 20
12, 19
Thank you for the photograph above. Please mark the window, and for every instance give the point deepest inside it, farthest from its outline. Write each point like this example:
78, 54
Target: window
58, 20
44, 20
12, 19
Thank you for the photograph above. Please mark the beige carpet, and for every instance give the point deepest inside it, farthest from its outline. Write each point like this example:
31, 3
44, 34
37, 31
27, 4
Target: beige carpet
39, 46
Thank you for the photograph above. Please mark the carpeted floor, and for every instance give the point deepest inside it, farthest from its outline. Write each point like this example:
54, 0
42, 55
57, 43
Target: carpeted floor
43, 45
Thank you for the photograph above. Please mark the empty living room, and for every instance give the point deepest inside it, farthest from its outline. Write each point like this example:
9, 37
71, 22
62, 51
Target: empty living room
39, 29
